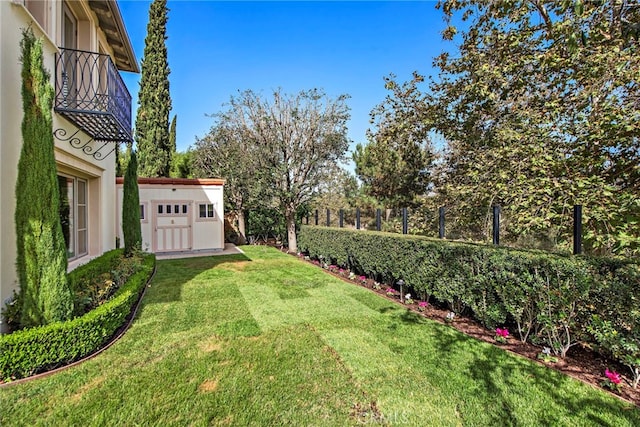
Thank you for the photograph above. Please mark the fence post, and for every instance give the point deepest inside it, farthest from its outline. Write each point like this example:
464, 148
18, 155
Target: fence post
328, 217
316, 216
441, 222
341, 218
496, 225
357, 218
577, 229
378, 221
405, 220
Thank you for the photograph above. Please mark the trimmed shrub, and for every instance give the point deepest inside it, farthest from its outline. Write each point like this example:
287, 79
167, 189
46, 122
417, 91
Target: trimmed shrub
552, 299
41, 253
34, 350
615, 313
131, 208
95, 282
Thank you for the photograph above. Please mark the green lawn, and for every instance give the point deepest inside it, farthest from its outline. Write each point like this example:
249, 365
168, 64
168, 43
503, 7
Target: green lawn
264, 339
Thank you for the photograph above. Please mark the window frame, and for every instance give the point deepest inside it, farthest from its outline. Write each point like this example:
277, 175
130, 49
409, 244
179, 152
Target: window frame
144, 212
75, 207
162, 205
206, 218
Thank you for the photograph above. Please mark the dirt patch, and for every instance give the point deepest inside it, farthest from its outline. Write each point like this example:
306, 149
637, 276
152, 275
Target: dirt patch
94, 383
227, 421
367, 413
208, 386
211, 344
234, 266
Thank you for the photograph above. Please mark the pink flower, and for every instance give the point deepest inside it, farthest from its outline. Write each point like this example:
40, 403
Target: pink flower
363, 278
391, 291
502, 332
613, 376
423, 304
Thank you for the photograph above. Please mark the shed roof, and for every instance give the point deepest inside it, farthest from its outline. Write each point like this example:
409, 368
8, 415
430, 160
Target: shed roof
176, 181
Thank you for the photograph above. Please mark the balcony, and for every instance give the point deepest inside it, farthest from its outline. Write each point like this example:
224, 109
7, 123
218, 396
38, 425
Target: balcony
91, 94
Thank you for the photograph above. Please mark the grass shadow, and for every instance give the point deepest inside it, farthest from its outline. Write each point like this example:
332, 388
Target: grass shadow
172, 275
501, 375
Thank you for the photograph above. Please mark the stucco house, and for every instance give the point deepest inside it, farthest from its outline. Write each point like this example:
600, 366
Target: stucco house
86, 46
179, 215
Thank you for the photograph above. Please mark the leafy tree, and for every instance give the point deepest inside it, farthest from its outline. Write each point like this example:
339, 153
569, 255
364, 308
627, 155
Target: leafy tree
123, 160
131, 207
181, 164
41, 250
394, 166
154, 100
539, 108
225, 152
296, 139
339, 190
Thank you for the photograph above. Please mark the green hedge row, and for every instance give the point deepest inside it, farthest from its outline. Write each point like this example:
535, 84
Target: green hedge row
549, 299
34, 350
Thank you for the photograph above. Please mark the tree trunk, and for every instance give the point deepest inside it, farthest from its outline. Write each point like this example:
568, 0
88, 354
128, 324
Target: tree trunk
242, 228
291, 231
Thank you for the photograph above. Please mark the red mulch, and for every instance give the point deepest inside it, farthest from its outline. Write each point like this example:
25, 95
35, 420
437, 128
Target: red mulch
581, 362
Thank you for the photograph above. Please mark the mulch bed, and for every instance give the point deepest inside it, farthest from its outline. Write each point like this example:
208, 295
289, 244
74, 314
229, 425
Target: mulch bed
582, 363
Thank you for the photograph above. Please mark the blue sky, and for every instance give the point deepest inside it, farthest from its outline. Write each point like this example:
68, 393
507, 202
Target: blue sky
219, 48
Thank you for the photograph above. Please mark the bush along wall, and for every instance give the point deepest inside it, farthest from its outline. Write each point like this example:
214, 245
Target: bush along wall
29, 351
550, 299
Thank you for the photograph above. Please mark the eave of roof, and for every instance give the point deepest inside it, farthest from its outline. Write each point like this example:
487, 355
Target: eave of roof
176, 181
111, 23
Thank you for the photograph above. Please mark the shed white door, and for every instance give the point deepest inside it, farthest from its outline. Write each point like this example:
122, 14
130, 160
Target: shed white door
172, 225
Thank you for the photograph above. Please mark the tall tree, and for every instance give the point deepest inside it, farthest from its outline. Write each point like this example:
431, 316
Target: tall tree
41, 250
297, 139
225, 152
131, 207
395, 164
540, 108
154, 100
172, 138
181, 164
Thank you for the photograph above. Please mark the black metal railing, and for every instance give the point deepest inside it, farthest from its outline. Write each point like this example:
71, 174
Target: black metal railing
90, 93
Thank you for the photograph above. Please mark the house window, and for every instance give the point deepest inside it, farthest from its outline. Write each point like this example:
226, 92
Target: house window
206, 211
69, 28
39, 10
73, 214
166, 209
142, 213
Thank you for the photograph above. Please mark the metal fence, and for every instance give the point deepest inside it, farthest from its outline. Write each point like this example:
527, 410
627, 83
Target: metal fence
439, 224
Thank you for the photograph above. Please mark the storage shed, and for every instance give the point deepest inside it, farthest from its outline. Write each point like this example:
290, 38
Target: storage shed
178, 214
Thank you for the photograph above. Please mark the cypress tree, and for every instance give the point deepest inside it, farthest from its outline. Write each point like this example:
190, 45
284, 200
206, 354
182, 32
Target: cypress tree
154, 100
172, 137
41, 249
131, 207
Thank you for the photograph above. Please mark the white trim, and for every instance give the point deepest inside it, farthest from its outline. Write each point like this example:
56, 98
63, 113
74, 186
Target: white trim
34, 23
214, 207
74, 229
145, 208
157, 230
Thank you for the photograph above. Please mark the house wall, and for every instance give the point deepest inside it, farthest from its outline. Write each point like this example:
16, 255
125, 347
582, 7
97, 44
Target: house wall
207, 234
99, 175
